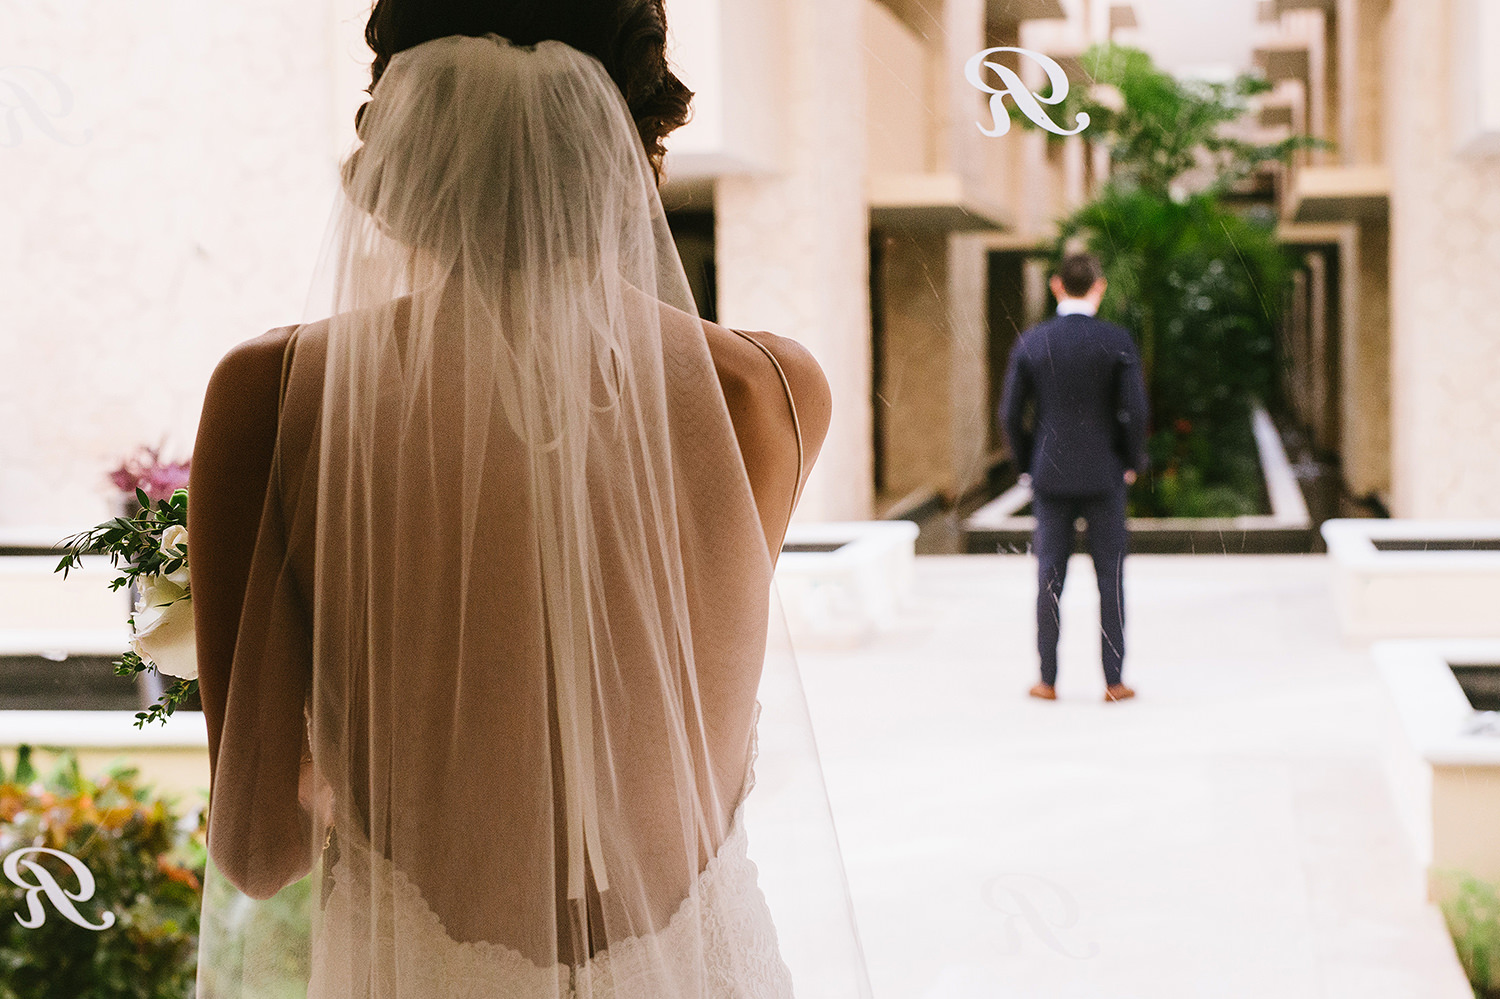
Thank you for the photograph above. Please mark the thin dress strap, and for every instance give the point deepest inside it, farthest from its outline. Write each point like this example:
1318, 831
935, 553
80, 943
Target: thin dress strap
791, 405
786, 386
286, 367
286, 373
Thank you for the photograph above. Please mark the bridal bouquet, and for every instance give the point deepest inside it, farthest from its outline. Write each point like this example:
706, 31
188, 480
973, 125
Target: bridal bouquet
151, 551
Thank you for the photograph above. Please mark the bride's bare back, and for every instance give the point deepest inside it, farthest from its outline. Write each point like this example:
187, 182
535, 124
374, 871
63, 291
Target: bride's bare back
773, 390
238, 427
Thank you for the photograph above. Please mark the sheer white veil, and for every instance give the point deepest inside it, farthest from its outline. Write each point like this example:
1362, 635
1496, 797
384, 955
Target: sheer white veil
511, 570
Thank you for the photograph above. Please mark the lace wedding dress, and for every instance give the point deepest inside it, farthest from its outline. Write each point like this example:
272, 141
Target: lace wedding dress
725, 920
511, 572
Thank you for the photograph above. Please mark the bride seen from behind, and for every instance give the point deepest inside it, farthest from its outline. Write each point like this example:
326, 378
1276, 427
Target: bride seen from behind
482, 561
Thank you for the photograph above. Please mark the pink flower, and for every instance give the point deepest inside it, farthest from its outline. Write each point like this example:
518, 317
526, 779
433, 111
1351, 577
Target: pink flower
145, 470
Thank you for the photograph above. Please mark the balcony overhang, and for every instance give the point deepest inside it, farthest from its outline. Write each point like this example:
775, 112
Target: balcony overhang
1276, 116
1016, 11
1122, 15
1339, 194
939, 201
1284, 62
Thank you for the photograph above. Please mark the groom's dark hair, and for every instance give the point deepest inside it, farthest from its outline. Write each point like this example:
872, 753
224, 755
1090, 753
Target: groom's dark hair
628, 36
1078, 273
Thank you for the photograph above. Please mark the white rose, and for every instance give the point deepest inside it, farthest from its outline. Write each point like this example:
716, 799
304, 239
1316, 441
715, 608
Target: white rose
163, 632
174, 545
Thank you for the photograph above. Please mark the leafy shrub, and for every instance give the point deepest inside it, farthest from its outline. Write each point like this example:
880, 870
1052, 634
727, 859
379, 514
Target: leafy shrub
1200, 285
148, 864
257, 948
1472, 910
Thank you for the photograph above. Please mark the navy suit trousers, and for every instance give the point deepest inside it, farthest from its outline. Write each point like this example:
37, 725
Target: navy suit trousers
1107, 543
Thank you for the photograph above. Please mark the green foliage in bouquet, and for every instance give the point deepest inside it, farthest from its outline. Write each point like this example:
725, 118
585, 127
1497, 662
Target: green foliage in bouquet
1200, 285
1471, 908
134, 546
148, 864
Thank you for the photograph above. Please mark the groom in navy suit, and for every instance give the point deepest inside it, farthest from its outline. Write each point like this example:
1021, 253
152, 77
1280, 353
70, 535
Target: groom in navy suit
1080, 446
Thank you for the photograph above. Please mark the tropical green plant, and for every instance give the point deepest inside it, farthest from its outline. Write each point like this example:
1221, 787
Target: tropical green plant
1201, 289
1471, 907
278, 965
148, 863
1160, 128
1200, 285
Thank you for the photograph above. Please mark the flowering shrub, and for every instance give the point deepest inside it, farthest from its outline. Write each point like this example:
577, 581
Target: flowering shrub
144, 470
148, 865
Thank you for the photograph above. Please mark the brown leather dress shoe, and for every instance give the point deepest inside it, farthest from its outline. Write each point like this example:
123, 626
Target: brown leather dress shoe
1045, 691
1118, 692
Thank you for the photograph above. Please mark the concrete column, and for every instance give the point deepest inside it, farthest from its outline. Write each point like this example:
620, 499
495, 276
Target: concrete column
915, 390
1296, 372
934, 391
1361, 81
793, 250
1318, 348
968, 416
1445, 252
1366, 350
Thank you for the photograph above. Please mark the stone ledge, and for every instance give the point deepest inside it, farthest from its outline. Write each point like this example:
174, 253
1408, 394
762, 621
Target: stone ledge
1414, 594
1444, 776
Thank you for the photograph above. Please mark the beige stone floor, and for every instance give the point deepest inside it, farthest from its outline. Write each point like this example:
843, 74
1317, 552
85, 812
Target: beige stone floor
1228, 834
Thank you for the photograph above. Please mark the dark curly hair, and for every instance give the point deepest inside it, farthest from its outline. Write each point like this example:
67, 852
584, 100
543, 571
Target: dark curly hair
628, 36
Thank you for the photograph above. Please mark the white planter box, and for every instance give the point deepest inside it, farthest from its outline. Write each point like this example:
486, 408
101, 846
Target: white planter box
173, 757
846, 595
1444, 765
1001, 522
1414, 594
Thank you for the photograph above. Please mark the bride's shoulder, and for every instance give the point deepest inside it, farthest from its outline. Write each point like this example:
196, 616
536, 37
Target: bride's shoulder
249, 369
751, 365
804, 375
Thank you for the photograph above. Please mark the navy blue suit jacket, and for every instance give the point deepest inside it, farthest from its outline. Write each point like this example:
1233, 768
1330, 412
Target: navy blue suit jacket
1082, 376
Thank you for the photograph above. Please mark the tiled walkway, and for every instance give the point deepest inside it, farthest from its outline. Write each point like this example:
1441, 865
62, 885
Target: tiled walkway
1228, 834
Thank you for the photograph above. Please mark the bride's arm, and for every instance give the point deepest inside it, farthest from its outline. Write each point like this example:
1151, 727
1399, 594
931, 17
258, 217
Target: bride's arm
766, 423
262, 828
231, 470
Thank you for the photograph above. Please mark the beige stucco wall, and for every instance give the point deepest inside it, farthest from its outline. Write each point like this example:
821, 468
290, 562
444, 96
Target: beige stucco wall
1361, 80
1465, 815
899, 125
729, 53
1445, 246
1365, 396
173, 211
914, 395
793, 246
